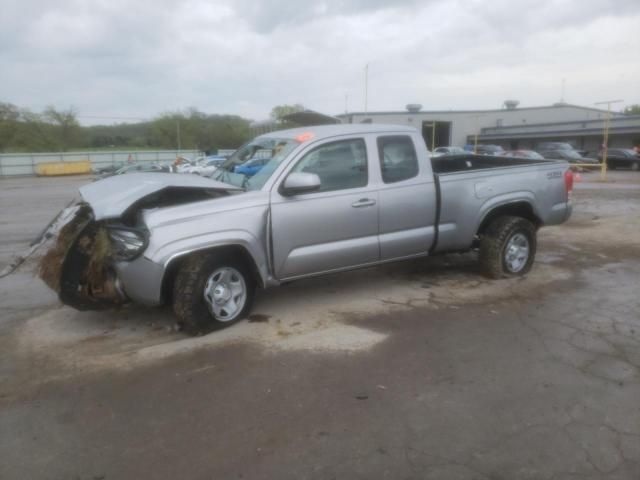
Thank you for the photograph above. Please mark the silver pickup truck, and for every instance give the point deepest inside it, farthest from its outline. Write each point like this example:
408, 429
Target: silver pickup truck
330, 198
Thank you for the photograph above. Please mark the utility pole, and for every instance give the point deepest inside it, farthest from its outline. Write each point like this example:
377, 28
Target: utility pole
366, 86
605, 135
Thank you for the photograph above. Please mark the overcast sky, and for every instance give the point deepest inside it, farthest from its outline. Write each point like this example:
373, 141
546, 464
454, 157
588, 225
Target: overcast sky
138, 58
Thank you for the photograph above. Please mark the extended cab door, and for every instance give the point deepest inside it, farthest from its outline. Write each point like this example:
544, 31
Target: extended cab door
334, 227
407, 197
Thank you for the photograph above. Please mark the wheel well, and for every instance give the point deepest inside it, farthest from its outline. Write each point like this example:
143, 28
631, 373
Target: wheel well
232, 250
517, 209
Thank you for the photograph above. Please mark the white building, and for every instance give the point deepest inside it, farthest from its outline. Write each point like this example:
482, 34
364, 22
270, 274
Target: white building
511, 127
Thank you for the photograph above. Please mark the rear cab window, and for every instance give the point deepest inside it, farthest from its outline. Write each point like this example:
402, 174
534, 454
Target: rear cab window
398, 159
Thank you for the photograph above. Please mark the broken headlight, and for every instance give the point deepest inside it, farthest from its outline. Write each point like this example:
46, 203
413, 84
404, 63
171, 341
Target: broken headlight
127, 243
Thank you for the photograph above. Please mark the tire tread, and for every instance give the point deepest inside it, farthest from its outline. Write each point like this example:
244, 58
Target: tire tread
188, 304
493, 242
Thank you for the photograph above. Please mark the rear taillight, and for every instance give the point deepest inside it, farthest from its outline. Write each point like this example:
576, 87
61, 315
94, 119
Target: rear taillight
568, 183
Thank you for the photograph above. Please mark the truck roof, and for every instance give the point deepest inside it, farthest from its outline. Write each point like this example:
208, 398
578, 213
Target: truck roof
325, 131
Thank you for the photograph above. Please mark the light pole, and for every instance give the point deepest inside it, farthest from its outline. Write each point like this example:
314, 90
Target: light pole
605, 141
366, 86
178, 133
475, 136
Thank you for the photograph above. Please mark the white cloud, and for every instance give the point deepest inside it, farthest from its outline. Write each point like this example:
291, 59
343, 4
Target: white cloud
136, 59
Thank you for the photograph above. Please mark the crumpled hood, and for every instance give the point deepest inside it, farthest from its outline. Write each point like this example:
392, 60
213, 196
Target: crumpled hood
111, 197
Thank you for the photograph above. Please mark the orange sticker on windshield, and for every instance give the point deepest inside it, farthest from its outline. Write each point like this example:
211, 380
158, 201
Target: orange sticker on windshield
305, 137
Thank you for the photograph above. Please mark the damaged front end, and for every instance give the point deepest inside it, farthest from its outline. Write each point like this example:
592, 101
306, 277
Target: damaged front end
79, 266
104, 232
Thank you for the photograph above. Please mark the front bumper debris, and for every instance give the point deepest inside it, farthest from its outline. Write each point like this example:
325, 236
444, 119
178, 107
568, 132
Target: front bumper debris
78, 265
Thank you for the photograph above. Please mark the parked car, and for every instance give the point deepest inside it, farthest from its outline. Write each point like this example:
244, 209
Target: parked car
331, 198
571, 156
546, 146
108, 169
138, 168
522, 154
552, 146
622, 158
440, 151
489, 149
216, 159
184, 164
251, 167
206, 165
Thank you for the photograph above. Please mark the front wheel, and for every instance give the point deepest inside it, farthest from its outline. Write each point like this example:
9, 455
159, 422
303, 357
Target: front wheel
212, 292
508, 247
635, 166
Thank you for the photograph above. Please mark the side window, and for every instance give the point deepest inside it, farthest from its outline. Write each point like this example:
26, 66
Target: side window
398, 159
340, 165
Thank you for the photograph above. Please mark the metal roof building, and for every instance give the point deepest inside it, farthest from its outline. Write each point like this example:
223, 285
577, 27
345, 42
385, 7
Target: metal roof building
512, 127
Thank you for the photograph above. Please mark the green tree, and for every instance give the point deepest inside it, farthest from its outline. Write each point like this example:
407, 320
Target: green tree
197, 130
280, 111
24, 131
66, 129
632, 110
9, 116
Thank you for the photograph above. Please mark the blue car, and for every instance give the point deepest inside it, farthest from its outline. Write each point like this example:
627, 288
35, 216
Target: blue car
251, 167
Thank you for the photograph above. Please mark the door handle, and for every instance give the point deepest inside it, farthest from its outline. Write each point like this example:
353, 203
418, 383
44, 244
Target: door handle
363, 202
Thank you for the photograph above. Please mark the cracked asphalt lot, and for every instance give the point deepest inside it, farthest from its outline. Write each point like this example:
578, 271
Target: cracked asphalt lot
418, 370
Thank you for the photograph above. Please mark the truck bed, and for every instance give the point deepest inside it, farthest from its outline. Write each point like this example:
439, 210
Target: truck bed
469, 186
462, 163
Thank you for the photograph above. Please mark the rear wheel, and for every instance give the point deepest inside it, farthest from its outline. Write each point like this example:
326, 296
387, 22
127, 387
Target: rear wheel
212, 292
508, 247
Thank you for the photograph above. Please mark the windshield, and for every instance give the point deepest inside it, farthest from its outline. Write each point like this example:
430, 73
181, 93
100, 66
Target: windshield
271, 150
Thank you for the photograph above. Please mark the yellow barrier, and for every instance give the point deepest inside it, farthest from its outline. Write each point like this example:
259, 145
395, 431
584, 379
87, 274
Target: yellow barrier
63, 168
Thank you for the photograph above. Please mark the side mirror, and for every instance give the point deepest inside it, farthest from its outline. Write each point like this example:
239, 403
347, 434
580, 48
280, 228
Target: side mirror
300, 182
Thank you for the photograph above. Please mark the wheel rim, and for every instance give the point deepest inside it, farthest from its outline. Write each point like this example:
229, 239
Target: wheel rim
225, 293
516, 253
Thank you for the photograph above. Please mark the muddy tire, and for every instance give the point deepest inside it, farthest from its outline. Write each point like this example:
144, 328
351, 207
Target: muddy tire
211, 292
507, 247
